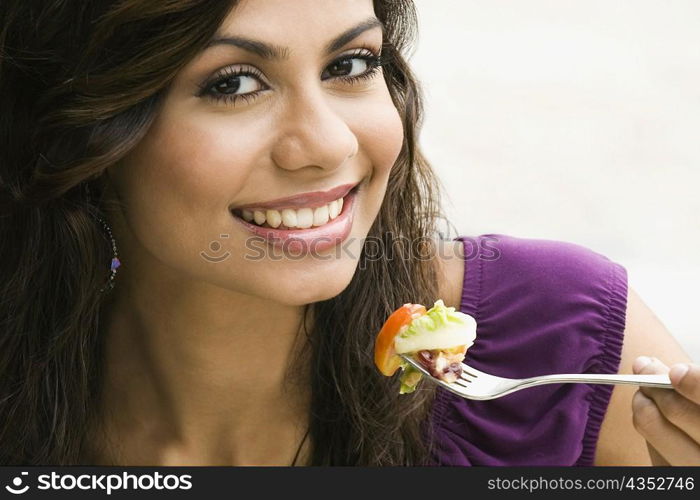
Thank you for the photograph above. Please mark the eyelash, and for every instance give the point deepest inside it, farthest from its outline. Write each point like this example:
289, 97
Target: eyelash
374, 61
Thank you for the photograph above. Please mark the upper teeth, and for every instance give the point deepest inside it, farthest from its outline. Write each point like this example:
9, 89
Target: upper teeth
302, 218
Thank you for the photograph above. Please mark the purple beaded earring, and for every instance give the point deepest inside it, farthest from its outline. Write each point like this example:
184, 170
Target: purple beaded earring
114, 265
115, 259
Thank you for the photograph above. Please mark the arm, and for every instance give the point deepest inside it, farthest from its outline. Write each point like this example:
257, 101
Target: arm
619, 442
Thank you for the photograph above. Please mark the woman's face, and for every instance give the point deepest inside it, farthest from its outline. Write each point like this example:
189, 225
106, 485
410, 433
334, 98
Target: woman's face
244, 128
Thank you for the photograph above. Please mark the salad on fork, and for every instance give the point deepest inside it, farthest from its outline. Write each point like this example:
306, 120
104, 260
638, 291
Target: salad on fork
436, 338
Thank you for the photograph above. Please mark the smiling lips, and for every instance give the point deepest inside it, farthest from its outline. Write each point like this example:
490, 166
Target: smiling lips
297, 212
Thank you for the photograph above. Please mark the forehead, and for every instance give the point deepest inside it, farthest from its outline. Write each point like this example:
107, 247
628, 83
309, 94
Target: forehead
294, 23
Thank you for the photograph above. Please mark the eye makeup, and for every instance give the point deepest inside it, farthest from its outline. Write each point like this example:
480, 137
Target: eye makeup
224, 85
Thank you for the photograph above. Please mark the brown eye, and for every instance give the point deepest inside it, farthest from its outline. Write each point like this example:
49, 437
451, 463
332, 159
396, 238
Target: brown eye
233, 84
228, 86
341, 68
352, 68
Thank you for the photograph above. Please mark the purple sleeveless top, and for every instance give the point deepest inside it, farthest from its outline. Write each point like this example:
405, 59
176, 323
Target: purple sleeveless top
541, 307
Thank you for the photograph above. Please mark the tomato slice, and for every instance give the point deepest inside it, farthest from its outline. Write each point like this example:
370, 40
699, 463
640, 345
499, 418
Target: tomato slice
385, 356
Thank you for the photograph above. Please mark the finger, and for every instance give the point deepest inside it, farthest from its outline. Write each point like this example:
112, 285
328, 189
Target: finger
678, 407
649, 366
675, 446
685, 378
656, 458
679, 410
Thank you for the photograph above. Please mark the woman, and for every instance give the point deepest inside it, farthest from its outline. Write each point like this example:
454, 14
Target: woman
146, 148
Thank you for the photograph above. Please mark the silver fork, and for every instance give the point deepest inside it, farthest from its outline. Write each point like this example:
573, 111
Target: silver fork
475, 384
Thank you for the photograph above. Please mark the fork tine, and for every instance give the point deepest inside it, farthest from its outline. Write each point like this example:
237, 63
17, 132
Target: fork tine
471, 371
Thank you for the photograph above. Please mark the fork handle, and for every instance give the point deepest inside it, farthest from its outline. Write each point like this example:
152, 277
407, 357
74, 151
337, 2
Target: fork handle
657, 380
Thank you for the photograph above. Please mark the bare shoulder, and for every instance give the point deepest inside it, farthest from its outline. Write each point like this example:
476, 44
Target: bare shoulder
645, 335
450, 255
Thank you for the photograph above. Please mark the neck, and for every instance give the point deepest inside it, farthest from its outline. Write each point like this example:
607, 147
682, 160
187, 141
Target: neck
200, 374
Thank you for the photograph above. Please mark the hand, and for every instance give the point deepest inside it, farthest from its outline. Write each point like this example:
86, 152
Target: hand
669, 419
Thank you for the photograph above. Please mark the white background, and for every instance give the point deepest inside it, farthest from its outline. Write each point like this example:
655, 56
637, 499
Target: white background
573, 120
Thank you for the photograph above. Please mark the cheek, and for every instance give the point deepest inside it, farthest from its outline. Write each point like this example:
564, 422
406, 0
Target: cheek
381, 135
196, 169
195, 165
178, 182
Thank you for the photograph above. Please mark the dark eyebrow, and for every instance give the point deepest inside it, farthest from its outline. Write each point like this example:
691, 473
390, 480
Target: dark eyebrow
267, 51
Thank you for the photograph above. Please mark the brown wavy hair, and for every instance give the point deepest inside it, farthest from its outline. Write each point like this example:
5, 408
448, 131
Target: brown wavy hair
80, 84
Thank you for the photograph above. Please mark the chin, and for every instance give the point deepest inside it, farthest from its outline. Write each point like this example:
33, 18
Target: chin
308, 287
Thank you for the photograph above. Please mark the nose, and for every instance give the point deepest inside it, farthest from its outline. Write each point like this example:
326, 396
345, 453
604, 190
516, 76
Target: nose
312, 134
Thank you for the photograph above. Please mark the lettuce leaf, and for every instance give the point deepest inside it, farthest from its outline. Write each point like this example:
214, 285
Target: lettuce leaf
440, 328
410, 376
